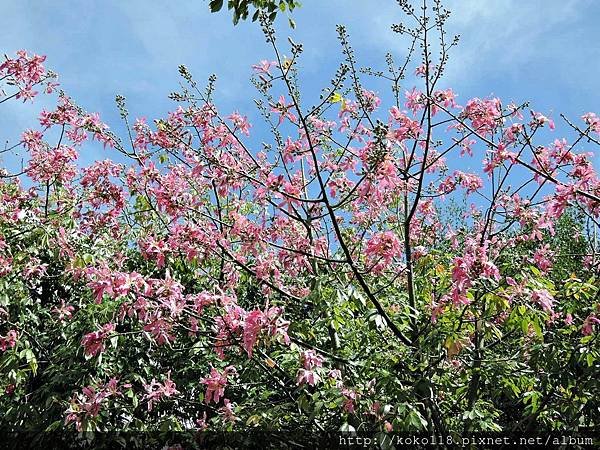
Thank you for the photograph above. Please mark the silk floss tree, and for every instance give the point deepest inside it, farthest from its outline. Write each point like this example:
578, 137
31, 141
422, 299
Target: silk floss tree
201, 280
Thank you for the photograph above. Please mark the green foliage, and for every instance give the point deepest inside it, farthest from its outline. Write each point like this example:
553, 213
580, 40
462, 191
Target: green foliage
243, 8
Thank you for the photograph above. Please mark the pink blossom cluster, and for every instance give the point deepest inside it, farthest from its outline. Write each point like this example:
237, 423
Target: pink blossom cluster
9, 341
467, 269
87, 404
381, 250
215, 383
157, 391
485, 115
26, 71
93, 343
592, 121
308, 373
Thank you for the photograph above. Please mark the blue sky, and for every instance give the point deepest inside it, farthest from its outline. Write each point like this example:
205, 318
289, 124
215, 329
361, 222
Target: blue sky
545, 51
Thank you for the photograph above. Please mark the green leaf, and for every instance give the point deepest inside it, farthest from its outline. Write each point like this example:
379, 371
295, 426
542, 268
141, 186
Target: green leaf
253, 420
215, 5
54, 425
590, 359
537, 328
525, 325
416, 420
30, 358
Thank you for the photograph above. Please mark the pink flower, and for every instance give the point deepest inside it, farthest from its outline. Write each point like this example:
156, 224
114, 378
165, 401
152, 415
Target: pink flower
370, 100
156, 391
86, 405
335, 374
406, 127
253, 324
228, 325
34, 268
539, 120
227, 411
414, 100
310, 359
283, 109
485, 115
446, 98
540, 258
472, 265
264, 66
588, 324
543, 298
421, 70
381, 250
100, 282
256, 321
160, 328
54, 163
63, 311
241, 123
307, 376
201, 423
154, 249
569, 319
291, 150
9, 341
32, 139
350, 399
469, 181
93, 343
592, 120
26, 71
215, 384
